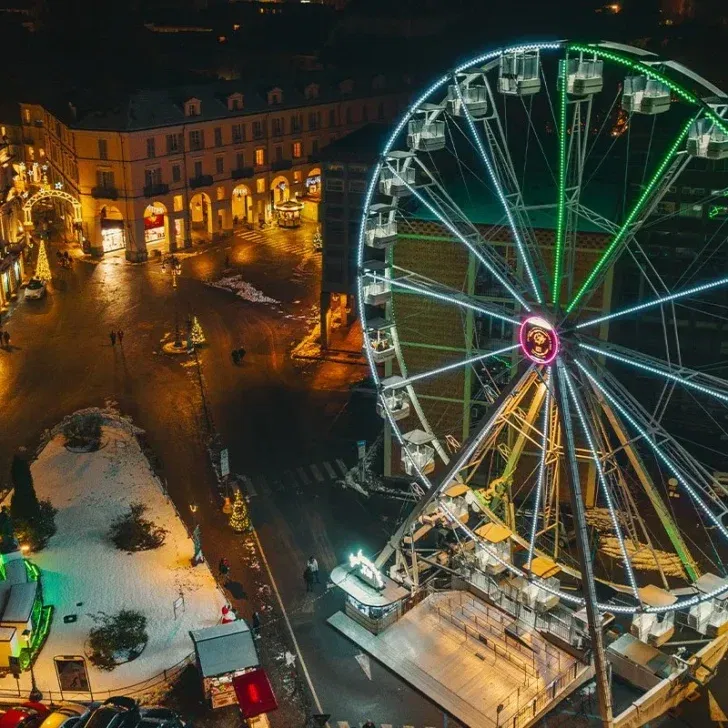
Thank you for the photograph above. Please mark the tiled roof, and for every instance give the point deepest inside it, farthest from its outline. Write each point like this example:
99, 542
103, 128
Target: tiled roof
160, 107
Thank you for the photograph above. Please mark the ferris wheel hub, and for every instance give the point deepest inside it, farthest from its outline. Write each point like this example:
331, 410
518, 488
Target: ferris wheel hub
539, 340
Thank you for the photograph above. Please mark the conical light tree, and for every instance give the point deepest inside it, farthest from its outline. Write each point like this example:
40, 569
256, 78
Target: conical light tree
318, 239
239, 518
42, 269
197, 335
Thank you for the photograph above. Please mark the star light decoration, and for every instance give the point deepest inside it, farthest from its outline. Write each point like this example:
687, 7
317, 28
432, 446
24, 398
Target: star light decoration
58, 185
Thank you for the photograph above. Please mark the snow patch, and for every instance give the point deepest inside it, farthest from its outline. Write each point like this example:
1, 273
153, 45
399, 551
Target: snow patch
242, 289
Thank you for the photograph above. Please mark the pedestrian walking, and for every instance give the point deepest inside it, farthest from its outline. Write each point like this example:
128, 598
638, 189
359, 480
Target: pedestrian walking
313, 565
112, 336
368, 724
224, 569
227, 261
308, 578
256, 625
6, 339
120, 336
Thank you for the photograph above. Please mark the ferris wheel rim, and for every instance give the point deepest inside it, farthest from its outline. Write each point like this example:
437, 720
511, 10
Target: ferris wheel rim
609, 51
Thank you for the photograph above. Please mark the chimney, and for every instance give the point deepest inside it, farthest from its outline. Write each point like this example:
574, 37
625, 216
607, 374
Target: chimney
73, 109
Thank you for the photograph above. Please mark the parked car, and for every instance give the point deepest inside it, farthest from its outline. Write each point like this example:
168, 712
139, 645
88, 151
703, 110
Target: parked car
35, 288
159, 718
27, 715
118, 712
67, 715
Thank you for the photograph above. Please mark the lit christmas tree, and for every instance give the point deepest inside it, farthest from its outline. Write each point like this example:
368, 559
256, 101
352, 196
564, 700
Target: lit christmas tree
197, 336
239, 518
42, 269
318, 240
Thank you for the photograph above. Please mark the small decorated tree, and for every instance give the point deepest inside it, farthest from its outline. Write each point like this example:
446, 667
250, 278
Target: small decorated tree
197, 335
318, 240
42, 269
239, 518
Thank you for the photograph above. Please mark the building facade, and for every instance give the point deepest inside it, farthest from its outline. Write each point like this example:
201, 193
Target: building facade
160, 170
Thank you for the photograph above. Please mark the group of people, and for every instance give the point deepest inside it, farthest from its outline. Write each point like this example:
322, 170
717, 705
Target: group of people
5, 340
64, 259
117, 335
311, 573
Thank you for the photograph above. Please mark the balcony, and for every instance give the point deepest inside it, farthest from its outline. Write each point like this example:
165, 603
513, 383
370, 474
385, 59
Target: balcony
242, 173
204, 180
104, 193
314, 158
281, 164
156, 190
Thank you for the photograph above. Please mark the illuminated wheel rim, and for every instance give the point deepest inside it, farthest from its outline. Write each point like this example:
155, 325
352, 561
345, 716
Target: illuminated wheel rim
556, 332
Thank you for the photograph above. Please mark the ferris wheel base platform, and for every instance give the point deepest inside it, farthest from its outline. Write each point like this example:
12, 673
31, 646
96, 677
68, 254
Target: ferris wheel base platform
454, 649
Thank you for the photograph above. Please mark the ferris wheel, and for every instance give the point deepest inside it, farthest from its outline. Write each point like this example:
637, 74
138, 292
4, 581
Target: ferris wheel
531, 345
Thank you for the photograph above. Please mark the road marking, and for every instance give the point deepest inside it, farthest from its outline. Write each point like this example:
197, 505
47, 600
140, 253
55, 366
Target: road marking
306, 480
331, 472
364, 663
288, 623
342, 467
249, 486
317, 474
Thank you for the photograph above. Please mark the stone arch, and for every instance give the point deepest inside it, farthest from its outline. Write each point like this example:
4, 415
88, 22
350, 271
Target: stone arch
156, 227
201, 212
280, 188
112, 229
312, 184
50, 192
242, 204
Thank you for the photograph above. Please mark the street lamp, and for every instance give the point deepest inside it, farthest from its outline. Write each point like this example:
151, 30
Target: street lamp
35, 694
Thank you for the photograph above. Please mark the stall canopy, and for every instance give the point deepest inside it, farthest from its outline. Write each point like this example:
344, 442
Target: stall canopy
255, 694
225, 648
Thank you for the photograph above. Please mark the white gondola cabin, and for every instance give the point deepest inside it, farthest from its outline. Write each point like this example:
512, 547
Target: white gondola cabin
643, 95
396, 400
418, 452
495, 551
519, 73
376, 290
379, 340
424, 132
397, 178
474, 98
583, 77
706, 140
381, 227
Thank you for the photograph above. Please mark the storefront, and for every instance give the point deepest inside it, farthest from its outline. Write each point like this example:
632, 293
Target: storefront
112, 235
372, 599
155, 225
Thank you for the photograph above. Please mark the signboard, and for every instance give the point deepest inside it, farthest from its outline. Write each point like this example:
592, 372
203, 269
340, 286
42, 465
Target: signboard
222, 694
224, 463
72, 673
361, 447
366, 570
255, 694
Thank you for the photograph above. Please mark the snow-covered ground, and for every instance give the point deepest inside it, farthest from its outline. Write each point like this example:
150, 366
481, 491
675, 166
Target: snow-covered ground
84, 574
241, 288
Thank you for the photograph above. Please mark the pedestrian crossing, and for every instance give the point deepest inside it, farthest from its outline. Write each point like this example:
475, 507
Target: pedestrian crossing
303, 476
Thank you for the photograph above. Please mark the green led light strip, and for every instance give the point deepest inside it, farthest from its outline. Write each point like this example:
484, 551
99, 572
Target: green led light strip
561, 218
622, 232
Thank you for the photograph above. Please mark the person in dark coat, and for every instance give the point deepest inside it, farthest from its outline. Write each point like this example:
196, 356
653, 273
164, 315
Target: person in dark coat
308, 578
120, 336
224, 569
112, 336
256, 624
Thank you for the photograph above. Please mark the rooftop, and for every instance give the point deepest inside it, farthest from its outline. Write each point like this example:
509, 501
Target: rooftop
361, 146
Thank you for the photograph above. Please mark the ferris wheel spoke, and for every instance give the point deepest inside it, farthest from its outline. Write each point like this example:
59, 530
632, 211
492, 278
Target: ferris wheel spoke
685, 293
495, 181
442, 293
475, 245
450, 367
667, 172
647, 433
690, 378
601, 477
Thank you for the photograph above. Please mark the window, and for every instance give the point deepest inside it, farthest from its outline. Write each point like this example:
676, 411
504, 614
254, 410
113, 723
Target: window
238, 133
176, 173
296, 150
297, 176
365, 113
197, 140
152, 177
380, 112
275, 96
220, 193
26, 116
198, 168
279, 154
105, 179
314, 146
260, 185
348, 115
178, 203
335, 185
358, 185
192, 107
347, 86
296, 123
218, 136
259, 157
151, 151
235, 102
314, 120
103, 149
277, 128
332, 117
239, 160
58, 129
311, 91
219, 165
257, 130
174, 143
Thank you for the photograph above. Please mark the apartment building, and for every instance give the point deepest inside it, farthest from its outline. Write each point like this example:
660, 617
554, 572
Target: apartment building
159, 169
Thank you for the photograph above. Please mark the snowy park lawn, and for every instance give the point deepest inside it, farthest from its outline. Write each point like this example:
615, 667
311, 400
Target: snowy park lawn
83, 573
241, 288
